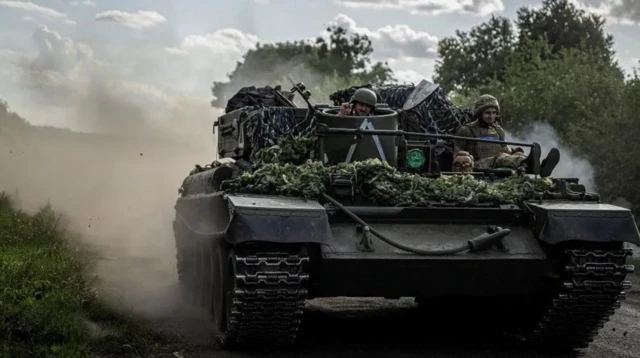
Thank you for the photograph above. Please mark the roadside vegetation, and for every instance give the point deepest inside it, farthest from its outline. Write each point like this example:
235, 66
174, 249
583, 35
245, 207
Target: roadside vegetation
48, 305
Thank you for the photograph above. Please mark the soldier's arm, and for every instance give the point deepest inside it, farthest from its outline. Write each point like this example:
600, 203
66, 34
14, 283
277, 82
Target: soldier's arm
461, 144
345, 108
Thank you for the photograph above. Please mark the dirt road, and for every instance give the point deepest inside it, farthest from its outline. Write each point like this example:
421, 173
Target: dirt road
346, 327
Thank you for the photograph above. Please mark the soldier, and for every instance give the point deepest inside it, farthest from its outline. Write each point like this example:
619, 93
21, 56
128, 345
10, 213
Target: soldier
487, 155
362, 103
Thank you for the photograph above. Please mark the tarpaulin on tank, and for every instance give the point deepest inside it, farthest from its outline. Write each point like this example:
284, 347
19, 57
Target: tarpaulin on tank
277, 219
252, 95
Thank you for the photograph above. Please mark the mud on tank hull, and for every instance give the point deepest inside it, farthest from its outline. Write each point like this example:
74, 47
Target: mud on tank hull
251, 261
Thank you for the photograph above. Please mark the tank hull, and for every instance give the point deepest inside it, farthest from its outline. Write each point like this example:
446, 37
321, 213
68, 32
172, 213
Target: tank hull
385, 271
251, 261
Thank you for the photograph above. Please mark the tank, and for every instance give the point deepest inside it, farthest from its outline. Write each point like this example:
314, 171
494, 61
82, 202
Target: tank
551, 268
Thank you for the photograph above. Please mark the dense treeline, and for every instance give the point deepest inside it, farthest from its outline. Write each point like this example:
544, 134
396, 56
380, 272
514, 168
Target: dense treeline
560, 70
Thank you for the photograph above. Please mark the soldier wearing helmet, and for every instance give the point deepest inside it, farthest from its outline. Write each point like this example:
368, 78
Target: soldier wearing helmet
485, 155
362, 103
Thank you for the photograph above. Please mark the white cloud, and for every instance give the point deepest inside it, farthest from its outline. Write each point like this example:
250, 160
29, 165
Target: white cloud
51, 76
86, 2
393, 41
176, 51
37, 9
224, 41
201, 59
138, 20
430, 7
622, 12
409, 76
57, 53
65, 83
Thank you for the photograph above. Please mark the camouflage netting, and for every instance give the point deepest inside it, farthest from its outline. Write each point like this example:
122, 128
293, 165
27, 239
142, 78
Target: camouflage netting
280, 172
249, 96
267, 125
439, 114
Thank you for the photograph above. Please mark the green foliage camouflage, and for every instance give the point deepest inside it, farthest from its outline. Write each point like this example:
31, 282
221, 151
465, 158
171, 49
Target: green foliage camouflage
286, 169
294, 150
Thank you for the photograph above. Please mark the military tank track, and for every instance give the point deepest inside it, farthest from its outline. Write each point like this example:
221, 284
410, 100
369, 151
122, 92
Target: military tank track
593, 284
269, 292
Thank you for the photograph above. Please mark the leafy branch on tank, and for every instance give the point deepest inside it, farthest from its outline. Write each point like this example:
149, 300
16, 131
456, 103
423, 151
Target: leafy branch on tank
287, 169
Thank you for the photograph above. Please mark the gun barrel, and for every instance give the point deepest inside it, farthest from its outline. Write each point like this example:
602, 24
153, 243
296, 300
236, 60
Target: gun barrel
416, 134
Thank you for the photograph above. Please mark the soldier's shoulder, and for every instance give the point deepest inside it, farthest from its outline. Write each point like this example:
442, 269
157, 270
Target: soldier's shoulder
464, 130
467, 128
470, 125
474, 123
498, 128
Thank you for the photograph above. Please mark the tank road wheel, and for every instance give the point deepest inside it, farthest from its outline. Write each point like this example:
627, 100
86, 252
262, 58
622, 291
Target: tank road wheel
260, 294
591, 288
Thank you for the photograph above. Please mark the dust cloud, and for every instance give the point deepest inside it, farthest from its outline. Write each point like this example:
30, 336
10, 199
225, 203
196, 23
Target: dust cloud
116, 176
116, 189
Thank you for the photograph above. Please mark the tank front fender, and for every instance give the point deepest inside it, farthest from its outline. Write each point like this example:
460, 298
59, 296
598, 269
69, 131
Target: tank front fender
557, 222
277, 219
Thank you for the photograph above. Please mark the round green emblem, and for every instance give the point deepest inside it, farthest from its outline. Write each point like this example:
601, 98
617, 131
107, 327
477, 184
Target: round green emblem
415, 159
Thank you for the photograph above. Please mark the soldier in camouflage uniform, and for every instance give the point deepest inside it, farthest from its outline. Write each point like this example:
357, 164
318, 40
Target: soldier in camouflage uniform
488, 155
362, 103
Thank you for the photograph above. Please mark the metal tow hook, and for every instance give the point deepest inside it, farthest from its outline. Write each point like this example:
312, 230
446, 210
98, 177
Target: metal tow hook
501, 246
365, 244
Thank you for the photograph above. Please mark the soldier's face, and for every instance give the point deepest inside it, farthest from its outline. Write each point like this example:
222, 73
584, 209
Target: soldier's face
360, 109
489, 115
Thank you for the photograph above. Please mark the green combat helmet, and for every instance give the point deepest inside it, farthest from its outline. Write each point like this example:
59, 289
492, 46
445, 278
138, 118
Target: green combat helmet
364, 96
483, 102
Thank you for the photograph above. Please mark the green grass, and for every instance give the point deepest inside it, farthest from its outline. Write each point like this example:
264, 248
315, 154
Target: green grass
47, 297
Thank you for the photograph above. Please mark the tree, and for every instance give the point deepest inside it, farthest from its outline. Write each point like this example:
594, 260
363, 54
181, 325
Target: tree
473, 59
585, 101
341, 56
564, 26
